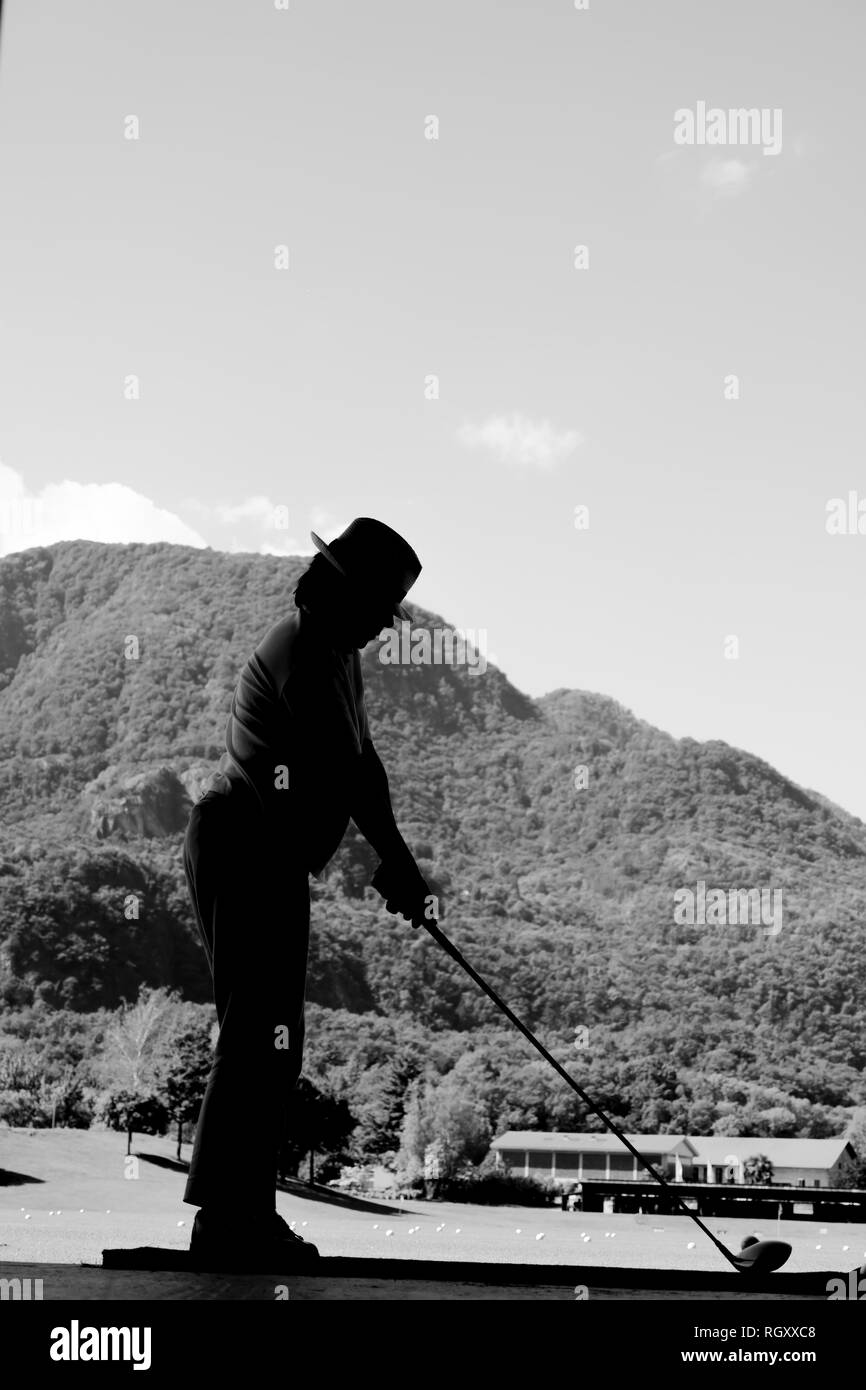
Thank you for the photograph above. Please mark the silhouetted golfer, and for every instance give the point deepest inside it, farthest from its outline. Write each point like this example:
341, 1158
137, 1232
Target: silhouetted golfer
299, 765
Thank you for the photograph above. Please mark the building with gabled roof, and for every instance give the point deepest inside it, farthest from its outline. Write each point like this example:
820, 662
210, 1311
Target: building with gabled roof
796, 1162
566, 1157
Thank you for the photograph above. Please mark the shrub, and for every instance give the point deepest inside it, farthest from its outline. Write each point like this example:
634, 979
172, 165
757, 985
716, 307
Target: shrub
496, 1189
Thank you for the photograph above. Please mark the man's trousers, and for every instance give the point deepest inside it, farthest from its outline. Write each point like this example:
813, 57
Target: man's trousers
252, 905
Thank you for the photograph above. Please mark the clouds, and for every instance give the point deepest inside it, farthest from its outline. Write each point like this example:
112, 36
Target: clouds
83, 511
727, 178
255, 508
258, 523
703, 180
320, 520
116, 514
520, 441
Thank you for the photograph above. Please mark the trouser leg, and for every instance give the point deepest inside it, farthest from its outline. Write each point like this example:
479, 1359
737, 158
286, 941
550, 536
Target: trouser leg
252, 907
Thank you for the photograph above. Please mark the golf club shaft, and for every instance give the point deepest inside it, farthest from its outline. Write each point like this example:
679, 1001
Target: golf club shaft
451, 950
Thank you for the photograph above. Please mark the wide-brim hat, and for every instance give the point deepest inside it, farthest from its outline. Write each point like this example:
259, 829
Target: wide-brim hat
374, 557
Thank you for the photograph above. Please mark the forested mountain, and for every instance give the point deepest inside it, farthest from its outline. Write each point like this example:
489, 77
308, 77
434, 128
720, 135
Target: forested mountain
117, 666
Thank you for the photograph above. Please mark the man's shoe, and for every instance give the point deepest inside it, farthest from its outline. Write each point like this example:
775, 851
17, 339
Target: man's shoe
220, 1241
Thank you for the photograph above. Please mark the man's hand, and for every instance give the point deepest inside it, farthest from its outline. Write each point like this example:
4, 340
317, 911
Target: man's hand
404, 888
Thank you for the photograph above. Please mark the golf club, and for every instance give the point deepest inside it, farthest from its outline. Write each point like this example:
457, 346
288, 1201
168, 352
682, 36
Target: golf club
757, 1256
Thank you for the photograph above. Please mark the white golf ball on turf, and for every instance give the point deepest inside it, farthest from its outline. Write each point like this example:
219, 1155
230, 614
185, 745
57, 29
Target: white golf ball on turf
691, 1245
540, 1236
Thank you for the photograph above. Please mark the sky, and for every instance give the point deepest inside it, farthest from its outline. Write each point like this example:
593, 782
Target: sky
266, 268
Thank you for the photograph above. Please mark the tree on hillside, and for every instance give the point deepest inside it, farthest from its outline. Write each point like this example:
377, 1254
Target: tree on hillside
378, 1103
851, 1173
317, 1125
129, 1111
21, 1099
137, 1041
70, 1107
185, 1080
856, 1132
446, 1119
29, 1095
140, 1041
758, 1169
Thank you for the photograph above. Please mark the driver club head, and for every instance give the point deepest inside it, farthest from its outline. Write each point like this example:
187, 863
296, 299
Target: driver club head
762, 1256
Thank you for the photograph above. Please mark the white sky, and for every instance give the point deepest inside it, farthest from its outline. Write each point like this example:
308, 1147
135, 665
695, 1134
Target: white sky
304, 388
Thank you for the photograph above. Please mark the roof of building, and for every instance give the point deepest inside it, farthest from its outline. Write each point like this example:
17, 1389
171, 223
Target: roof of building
782, 1153
712, 1148
546, 1141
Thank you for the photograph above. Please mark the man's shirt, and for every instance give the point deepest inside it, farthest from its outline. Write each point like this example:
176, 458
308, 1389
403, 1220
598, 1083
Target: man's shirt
296, 732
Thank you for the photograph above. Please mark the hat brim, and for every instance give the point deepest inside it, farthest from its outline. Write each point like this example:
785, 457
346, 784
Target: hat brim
327, 552
399, 610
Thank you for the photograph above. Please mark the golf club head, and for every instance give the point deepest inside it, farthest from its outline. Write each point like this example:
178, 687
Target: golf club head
762, 1256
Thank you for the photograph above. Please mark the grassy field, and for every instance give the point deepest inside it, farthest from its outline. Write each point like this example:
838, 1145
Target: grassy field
84, 1196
